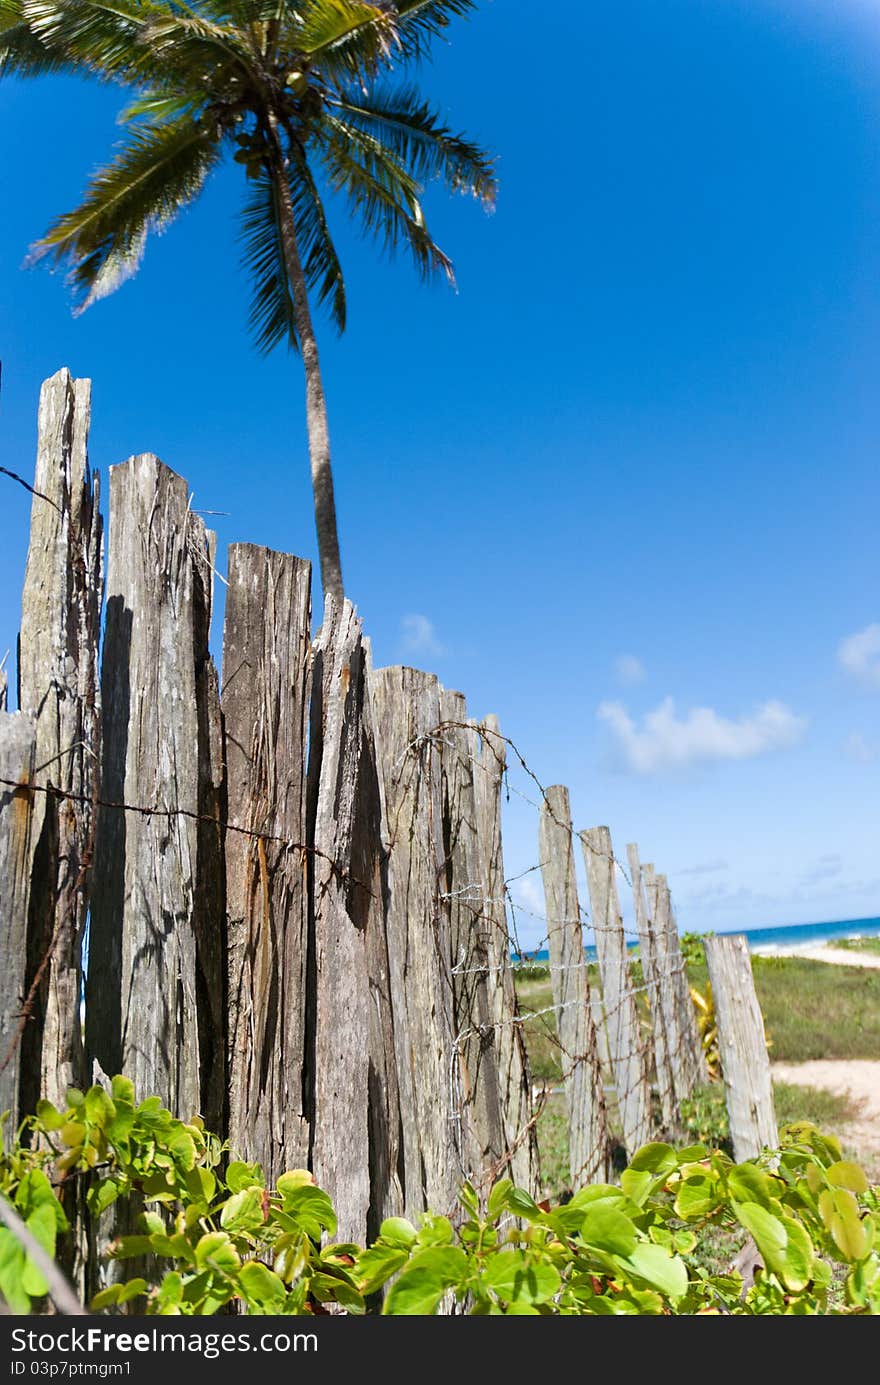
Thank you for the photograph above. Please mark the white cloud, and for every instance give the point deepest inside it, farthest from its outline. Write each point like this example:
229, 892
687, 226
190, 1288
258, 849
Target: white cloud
629, 669
859, 655
857, 747
666, 741
705, 868
419, 636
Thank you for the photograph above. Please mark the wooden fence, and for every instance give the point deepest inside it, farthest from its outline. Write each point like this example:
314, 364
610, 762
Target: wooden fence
290, 877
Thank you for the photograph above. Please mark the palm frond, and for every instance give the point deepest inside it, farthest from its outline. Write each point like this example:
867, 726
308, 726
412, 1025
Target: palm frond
100, 36
273, 313
422, 21
415, 134
383, 195
21, 53
345, 38
161, 170
320, 261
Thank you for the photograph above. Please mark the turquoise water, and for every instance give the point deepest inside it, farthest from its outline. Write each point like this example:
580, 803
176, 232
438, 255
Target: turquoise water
783, 936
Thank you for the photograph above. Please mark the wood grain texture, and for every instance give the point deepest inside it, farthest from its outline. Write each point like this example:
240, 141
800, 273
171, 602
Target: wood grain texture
743, 1048
17, 842
589, 1144
621, 1013
148, 911
58, 685
463, 885
648, 955
522, 1162
265, 697
340, 921
695, 1058
434, 1127
666, 964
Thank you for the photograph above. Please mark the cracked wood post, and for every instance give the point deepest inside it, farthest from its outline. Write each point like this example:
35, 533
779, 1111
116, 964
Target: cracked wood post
589, 1144
17, 843
621, 1012
743, 1047
58, 685
155, 936
514, 1078
342, 914
265, 697
464, 891
648, 951
666, 965
694, 1058
435, 1129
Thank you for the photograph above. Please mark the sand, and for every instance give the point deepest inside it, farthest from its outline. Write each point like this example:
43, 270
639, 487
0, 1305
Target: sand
858, 1078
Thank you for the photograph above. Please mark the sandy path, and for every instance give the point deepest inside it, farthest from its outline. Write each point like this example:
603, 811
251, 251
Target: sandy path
838, 955
858, 1077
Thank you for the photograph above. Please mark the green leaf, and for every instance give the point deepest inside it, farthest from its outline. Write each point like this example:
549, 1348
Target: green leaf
201, 1184
784, 1245
518, 1278
98, 1106
240, 1176
610, 1231
376, 1265
397, 1231
243, 1212
844, 1174
637, 1184
102, 1195
261, 1285
747, 1183
309, 1207
840, 1213
49, 1116
215, 1251
416, 1293
658, 1268
498, 1198
11, 1272
42, 1226
654, 1158
522, 1205
697, 1197
122, 1090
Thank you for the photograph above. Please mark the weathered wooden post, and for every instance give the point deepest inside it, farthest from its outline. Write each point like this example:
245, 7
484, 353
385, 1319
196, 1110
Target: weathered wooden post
648, 953
621, 1013
265, 697
438, 1151
152, 970
694, 1058
666, 970
17, 819
743, 1048
58, 686
512, 1063
341, 918
589, 1145
470, 942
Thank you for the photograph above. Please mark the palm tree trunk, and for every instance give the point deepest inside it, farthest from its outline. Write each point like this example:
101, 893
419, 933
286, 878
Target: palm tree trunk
316, 403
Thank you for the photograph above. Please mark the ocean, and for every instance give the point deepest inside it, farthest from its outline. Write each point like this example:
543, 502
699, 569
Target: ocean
782, 936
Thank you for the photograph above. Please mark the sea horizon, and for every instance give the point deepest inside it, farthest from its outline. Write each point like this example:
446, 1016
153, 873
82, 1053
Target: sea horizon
781, 937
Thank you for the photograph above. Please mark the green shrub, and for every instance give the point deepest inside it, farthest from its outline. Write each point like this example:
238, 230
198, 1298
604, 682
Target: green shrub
213, 1233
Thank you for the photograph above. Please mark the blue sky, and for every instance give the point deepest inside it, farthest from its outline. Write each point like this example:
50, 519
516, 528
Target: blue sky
622, 487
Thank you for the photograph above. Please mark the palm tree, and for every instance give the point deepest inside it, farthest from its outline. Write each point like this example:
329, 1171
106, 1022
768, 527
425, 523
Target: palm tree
298, 92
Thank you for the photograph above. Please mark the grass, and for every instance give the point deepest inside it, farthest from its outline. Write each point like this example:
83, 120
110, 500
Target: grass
811, 1010
815, 1009
858, 944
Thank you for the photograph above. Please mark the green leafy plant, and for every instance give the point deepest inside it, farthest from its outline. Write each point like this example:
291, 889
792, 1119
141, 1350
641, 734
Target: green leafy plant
212, 1233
